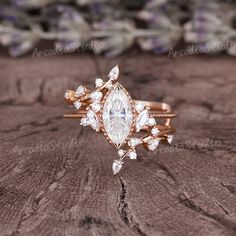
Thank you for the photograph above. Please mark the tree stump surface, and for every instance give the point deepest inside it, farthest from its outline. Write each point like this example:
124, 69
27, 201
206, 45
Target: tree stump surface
56, 177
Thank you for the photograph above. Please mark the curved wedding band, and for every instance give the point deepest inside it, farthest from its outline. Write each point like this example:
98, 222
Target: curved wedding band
110, 110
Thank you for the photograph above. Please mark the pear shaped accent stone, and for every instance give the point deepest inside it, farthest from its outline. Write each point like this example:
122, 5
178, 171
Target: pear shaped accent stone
114, 73
117, 115
116, 166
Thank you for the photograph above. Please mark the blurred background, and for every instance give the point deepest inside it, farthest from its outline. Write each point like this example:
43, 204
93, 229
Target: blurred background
55, 176
113, 27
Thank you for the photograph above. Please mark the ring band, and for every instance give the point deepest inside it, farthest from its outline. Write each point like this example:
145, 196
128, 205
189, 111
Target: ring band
110, 110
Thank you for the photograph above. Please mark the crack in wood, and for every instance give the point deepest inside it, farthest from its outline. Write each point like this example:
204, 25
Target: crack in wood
230, 187
185, 88
41, 88
125, 212
163, 167
225, 223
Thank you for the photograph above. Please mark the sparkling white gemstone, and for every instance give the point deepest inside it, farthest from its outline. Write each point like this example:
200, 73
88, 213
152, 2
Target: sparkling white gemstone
77, 104
152, 144
93, 120
116, 166
84, 122
98, 82
121, 152
114, 73
80, 91
96, 96
133, 142
170, 139
133, 155
155, 131
142, 120
67, 94
117, 115
151, 121
139, 106
96, 107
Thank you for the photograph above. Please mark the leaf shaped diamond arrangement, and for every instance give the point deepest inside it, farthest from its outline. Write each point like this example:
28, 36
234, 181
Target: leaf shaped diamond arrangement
111, 110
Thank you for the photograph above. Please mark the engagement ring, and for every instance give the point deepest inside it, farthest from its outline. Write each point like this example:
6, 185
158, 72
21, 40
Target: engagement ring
109, 109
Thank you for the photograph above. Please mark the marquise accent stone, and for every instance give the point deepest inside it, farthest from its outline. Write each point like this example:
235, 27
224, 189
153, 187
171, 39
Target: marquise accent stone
93, 120
142, 120
117, 115
152, 144
80, 91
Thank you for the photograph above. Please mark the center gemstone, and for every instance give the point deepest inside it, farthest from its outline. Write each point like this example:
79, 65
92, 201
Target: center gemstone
117, 115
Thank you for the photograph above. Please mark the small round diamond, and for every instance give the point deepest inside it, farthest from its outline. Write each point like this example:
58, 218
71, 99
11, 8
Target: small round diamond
151, 121
155, 131
96, 96
98, 82
133, 155
96, 107
84, 122
121, 152
133, 142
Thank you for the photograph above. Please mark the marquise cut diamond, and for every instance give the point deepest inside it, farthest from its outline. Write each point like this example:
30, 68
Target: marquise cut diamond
80, 91
93, 120
117, 115
152, 144
77, 104
142, 120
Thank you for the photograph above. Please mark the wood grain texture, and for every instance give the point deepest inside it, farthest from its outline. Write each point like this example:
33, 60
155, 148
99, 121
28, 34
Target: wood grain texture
56, 178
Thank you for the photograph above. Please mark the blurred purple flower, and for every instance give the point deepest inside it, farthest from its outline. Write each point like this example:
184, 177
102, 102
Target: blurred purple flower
116, 37
73, 30
31, 3
205, 24
90, 2
168, 33
19, 42
207, 27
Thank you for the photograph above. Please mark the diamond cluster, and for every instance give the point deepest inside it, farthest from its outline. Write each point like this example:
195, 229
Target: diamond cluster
112, 111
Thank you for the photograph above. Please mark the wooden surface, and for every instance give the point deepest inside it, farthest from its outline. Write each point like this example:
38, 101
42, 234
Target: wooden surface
56, 178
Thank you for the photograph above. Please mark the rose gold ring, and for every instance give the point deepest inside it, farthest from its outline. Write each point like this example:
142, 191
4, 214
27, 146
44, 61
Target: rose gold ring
109, 109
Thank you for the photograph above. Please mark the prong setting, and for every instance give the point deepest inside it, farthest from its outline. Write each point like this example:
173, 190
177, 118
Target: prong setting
111, 110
